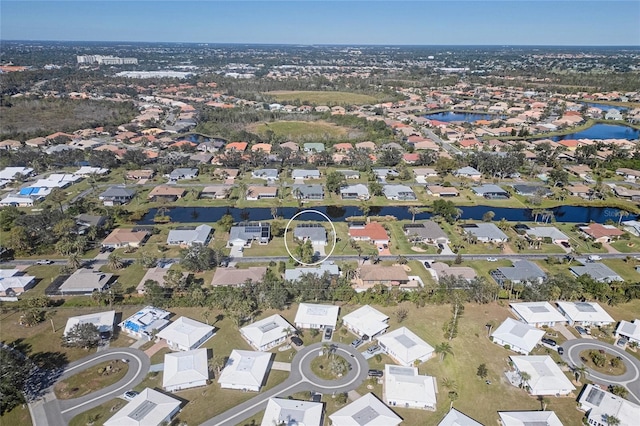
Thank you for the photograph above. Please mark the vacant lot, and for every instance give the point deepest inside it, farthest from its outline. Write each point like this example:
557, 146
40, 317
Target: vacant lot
302, 130
40, 117
322, 98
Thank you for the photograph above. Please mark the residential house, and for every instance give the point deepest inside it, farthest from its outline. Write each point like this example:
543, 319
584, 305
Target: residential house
255, 193
629, 330
613, 114
399, 193
405, 347
373, 231
367, 410
428, 232
267, 333
185, 370
532, 190
305, 174
13, 283
86, 281
597, 271
354, 192
148, 408
18, 200
384, 173
308, 192
486, 232
579, 190
144, 174
468, 172
102, 320
366, 321
85, 221
527, 418
243, 234
270, 175
349, 174
183, 173
405, 388
422, 174
543, 232
116, 195
245, 370
537, 314
315, 316
522, 271
491, 192
546, 378
125, 237
185, 334
217, 192
166, 193
188, 237
442, 270
601, 233
599, 405
584, 313
388, 276
292, 412
237, 277
516, 336
315, 233
457, 418
145, 323
158, 275
88, 170
629, 174
442, 191
13, 173
236, 146
312, 147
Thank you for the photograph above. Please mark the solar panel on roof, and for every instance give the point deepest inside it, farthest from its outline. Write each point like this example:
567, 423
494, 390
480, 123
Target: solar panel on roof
141, 411
365, 416
401, 371
538, 309
585, 307
595, 397
405, 341
268, 327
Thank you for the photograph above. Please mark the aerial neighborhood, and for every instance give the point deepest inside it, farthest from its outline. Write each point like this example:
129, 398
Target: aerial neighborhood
251, 241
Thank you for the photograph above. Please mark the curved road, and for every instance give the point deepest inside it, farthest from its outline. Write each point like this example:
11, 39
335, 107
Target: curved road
630, 379
300, 379
58, 412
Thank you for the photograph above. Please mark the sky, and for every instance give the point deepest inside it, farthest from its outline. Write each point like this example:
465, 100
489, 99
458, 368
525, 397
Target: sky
390, 22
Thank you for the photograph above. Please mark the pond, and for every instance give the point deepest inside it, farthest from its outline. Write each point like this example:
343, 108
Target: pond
450, 116
606, 107
573, 214
603, 131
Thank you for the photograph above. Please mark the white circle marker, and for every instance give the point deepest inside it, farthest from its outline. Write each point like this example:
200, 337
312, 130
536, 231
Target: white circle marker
333, 228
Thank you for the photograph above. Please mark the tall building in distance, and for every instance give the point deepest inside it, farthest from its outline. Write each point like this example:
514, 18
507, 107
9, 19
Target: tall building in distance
105, 60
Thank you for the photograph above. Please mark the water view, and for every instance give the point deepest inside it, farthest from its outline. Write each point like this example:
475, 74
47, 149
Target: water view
606, 107
450, 116
603, 131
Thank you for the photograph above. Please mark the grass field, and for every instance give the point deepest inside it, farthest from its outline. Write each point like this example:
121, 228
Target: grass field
18, 416
303, 131
322, 98
87, 381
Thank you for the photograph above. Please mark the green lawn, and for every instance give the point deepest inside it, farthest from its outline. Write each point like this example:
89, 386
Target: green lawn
18, 416
87, 381
99, 414
323, 98
627, 246
303, 131
625, 270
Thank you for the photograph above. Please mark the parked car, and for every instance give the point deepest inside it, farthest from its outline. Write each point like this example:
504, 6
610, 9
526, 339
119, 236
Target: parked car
549, 342
581, 330
492, 259
565, 244
44, 262
373, 349
356, 343
328, 332
622, 342
296, 341
129, 395
594, 257
560, 350
376, 373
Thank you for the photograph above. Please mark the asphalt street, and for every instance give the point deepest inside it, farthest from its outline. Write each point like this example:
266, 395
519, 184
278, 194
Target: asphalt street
630, 379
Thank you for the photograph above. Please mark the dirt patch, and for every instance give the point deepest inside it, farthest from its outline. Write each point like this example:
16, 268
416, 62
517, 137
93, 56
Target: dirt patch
418, 249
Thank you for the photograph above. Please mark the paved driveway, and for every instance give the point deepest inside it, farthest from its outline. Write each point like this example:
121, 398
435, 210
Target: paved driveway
630, 379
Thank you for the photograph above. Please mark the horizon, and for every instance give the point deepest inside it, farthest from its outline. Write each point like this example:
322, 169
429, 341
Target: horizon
330, 23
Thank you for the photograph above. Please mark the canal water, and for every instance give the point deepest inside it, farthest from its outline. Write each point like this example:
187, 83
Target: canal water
603, 131
450, 116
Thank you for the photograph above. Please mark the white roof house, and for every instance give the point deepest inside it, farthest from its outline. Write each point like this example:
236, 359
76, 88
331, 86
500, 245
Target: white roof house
312, 315
405, 347
456, 418
527, 418
142, 323
13, 283
584, 313
552, 232
405, 388
266, 333
630, 330
600, 404
291, 412
537, 313
521, 338
366, 321
367, 410
102, 320
188, 237
85, 281
149, 408
245, 370
184, 370
186, 334
546, 376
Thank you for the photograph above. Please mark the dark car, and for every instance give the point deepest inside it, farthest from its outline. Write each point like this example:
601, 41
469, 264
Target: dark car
328, 332
296, 341
129, 395
581, 330
376, 373
549, 342
565, 244
560, 350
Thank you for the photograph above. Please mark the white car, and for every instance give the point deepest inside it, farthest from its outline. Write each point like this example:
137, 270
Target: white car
492, 259
44, 262
594, 257
129, 395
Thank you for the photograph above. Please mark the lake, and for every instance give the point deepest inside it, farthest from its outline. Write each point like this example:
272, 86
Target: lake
603, 131
605, 107
457, 116
574, 214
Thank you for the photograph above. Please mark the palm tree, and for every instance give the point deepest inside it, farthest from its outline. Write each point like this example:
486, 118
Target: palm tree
443, 349
453, 395
449, 383
413, 210
580, 372
612, 420
74, 260
326, 349
524, 378
215, 364
114, 261
543, 402
288, 331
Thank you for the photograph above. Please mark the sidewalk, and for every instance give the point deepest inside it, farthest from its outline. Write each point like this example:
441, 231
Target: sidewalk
282, 366
155, 348
562, 329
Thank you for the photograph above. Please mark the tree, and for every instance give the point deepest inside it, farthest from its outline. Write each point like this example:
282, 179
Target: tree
611, 420
443, 349
482, 371
305, 252
14, 372
619, 390
390, 157
453, 396
488, 216
524, 378
225, 223
341, 398
58, 196
543, 402
580, 372
114, 262
82, 335
446, 209
198, 258
216, 364
401, 314
335, 181
74, 261
375, 188
413, 210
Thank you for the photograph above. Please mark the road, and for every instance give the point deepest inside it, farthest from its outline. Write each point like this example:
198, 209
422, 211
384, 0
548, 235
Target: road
54, 412
630, 379
300, 379
444, 144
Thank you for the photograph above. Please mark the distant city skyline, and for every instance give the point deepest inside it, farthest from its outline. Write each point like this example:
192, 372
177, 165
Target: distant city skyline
516, 22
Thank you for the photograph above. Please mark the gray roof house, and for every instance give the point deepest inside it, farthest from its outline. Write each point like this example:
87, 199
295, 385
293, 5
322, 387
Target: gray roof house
486, 232
116, 195
521, 271
266, 174
429, 232
187, 237
353, 192
305, 174
529, 190
326, 267
313, 147
468, 172
382, 174
85, 281
399, 192
308, 192
490, 191
244, 234
183, 173
598, 271
317, 234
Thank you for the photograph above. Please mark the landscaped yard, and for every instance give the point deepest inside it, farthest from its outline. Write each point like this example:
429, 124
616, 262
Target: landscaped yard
91, 379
